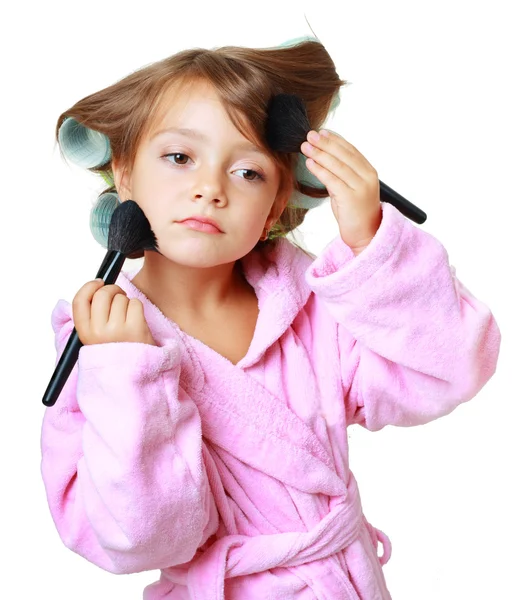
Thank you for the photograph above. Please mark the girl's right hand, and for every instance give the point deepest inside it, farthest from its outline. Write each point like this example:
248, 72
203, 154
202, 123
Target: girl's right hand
103, 313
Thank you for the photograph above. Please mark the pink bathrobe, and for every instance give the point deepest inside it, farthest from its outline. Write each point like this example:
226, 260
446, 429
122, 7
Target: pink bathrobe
234, 480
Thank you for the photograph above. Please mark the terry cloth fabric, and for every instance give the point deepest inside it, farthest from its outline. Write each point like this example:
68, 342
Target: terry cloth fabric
234, 480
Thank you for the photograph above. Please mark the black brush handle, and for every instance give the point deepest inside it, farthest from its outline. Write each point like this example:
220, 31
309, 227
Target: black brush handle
400, 203
108, 272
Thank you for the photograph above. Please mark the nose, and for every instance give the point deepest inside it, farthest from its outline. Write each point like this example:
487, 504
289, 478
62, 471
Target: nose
208, 185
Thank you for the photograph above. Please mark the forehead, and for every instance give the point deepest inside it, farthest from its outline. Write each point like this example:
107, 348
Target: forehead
188, 106
187, 100
181, 94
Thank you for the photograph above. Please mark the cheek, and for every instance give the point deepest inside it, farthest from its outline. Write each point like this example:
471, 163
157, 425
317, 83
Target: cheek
151, 195
255, 222
145, 176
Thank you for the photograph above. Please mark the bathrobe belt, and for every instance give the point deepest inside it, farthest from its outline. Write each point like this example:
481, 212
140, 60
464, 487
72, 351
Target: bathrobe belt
307, 554
261, 433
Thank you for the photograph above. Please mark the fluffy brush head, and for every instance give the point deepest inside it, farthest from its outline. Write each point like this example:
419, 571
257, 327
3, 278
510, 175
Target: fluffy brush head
288, 124
129, 230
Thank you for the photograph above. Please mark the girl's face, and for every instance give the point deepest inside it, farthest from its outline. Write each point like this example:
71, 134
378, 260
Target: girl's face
195, 162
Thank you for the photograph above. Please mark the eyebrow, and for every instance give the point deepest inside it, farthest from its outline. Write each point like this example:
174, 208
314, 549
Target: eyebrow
198, 135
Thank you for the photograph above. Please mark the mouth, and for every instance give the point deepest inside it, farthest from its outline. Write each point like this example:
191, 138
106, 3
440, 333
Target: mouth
204, 225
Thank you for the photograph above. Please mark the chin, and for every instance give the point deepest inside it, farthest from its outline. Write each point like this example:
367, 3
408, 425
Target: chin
195, 254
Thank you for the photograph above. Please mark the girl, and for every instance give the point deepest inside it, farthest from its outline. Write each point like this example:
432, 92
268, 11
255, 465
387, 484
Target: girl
203, 431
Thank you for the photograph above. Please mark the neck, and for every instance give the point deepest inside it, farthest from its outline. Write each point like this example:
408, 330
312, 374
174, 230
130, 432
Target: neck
191, 292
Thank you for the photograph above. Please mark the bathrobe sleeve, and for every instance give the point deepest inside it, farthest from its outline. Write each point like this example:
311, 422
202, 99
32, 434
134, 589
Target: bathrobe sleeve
122, 457
413, 341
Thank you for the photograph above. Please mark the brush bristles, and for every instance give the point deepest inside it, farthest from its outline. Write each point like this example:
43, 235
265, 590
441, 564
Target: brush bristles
288, 124
129, 230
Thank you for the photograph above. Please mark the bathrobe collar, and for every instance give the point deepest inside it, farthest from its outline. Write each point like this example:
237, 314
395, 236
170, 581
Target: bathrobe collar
277, 274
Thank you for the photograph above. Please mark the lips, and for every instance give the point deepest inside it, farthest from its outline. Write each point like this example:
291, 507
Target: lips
203, 220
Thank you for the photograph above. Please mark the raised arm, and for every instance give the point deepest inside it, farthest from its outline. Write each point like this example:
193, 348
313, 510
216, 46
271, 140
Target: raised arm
414, 342
122, 457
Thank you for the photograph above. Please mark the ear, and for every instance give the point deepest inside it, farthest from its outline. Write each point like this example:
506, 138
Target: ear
121, 180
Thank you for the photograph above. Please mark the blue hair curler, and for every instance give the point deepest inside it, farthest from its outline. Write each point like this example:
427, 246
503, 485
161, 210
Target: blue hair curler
298, 40
82, 146
100, 216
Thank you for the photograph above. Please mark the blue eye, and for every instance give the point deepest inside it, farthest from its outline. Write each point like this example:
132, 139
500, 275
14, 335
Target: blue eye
256, 176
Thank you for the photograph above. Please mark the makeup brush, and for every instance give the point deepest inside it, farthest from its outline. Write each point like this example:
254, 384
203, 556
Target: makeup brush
287, 128
129, 232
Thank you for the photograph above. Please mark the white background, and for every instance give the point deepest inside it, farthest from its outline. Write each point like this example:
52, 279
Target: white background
438, 104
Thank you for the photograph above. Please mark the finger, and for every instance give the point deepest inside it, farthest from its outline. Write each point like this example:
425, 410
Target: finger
118, 310
135, 313
101, 303
345, 172
337, 139
81, 305
329, 139
334, 184
137, 322
340, 148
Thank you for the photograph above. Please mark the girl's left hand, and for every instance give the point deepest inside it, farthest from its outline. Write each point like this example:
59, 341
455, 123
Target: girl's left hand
352, 183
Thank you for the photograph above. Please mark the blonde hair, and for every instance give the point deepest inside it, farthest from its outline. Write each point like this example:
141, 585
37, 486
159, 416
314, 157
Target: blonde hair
244, 78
